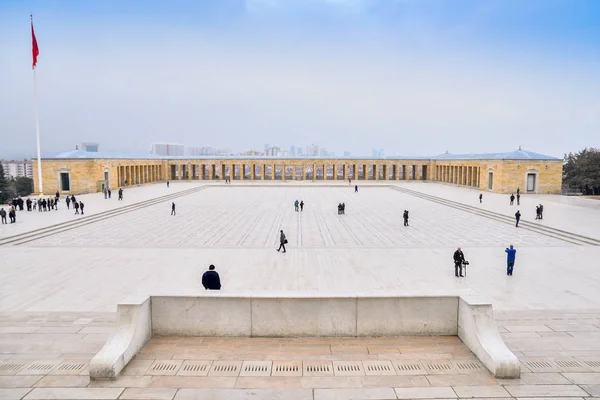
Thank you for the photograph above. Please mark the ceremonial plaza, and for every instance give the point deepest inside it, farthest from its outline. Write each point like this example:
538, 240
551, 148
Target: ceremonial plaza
110, 304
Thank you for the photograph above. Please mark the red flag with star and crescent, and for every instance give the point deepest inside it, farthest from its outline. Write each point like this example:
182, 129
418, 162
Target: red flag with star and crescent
35, 50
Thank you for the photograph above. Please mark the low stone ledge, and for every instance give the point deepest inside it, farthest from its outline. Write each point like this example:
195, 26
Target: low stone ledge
302, 315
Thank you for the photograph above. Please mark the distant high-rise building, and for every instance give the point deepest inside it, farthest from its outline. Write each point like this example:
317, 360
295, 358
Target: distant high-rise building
299, 151
313, 150
267, 146
292, 151
90, 147
200, 151
347, 154
168, 149
273, 151
17, 168
377, 153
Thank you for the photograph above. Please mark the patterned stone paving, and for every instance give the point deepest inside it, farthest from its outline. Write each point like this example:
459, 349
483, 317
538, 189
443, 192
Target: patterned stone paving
251, 217
46, 356
58, 295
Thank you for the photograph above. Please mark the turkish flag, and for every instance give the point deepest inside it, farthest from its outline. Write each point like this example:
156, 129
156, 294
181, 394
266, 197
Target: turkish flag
35, 51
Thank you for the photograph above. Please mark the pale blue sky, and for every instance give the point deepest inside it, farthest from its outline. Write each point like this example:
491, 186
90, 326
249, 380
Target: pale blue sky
415, 77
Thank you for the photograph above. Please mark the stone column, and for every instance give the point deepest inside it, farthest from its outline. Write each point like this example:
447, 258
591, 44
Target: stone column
418, 172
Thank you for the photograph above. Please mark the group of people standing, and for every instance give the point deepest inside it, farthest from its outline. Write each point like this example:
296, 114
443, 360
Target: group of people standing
299, 205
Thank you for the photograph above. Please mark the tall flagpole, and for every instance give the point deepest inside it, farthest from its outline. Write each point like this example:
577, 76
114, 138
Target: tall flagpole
37, 119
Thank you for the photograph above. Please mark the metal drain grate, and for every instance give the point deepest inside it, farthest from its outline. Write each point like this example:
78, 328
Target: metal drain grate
164, 367
194, 368
318, 368
467, 366
593, 364
225, 368
287, 368
439, 367
10, 368
39, 368
69, 368
410, 368
256, 368
378, 368
348, 368
538, 364
568, 364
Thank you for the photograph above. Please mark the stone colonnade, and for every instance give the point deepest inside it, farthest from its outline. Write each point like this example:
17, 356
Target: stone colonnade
128, 175
295, 170
462, 175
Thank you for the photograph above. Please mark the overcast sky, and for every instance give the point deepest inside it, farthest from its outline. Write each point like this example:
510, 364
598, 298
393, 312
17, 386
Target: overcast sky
414, 77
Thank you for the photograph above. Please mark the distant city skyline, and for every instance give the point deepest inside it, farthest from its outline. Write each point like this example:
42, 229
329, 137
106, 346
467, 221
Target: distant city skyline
414, 77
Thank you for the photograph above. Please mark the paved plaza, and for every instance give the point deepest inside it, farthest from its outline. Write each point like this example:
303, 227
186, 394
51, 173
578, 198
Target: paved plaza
60, 283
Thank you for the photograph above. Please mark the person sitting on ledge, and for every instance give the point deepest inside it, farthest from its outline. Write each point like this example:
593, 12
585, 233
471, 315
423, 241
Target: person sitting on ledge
211, 280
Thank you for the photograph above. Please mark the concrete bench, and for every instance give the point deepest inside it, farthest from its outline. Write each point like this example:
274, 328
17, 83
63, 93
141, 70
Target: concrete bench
293, 315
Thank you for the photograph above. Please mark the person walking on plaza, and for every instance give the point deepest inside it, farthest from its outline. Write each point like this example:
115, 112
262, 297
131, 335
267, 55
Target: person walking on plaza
405, 217
518, 199
109, 193
173, 209
105, 194
296, 205
73, 199
459, 258
282, 241
3, 215
510, 259
76, 207
68, 201
512, 199
541, 211
355, 188
518, 191
28, 204
12, 215
537, 212
167, 183
81, 206
302, 205
20, 203
34, 204
480, 197
211, 280
120, 193
517, 217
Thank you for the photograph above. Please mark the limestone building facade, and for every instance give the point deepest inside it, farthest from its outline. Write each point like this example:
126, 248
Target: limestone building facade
81, 172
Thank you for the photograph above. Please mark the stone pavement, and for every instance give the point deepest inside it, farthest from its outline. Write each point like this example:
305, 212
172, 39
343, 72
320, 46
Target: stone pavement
94, 203
58, 294
45, 356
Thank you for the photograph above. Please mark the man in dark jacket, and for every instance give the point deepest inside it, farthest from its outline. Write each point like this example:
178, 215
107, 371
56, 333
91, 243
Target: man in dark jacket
459, 257
211, 280
282, 241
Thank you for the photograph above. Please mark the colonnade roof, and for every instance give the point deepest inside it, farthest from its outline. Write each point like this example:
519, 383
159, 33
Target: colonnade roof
84, 155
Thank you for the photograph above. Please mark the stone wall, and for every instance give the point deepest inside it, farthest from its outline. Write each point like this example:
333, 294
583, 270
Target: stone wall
508, 175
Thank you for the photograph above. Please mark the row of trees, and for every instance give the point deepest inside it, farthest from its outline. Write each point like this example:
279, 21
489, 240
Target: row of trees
11, 188
581, 171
